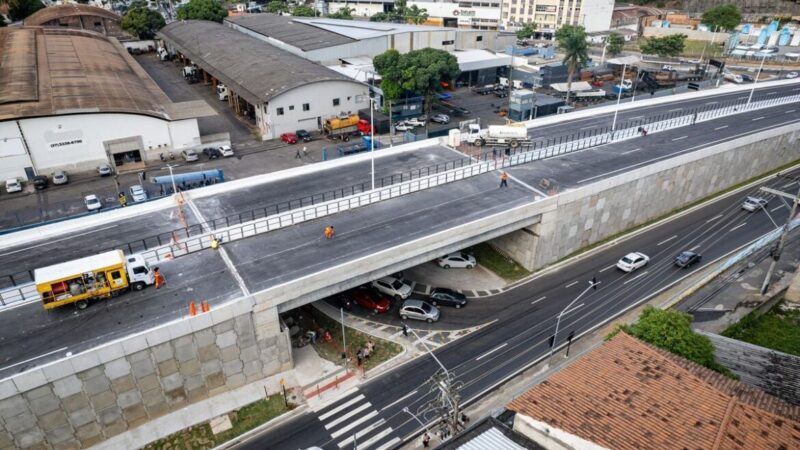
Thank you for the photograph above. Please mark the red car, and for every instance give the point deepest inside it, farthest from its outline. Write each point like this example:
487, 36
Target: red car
289, 138
371, 300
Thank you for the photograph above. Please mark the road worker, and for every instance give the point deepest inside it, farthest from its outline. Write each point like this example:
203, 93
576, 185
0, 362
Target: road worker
160, 280
503, 179
329, 231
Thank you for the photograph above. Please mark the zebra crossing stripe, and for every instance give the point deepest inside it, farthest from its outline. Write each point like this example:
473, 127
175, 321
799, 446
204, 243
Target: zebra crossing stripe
344, 417
341, 407
355, 424
360, 434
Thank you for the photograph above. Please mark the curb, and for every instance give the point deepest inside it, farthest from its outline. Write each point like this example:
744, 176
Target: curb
299, 410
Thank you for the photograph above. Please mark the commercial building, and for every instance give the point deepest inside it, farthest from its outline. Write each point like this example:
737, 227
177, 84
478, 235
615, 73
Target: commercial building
276, 89
467, 14
77, 16
550, 15
72, 99
363, 8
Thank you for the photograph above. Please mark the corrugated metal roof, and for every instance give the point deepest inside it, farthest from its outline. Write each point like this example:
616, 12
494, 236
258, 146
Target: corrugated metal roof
55, 12
254, 69
491, 439
290, 31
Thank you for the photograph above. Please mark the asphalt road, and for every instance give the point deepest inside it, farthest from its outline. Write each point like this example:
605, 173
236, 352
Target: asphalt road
268, 259
526, 318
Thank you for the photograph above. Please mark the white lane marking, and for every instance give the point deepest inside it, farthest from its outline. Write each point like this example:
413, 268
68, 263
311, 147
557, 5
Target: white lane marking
341, 407
609, 267
712, 103
714, 218
572, 309
361, 433
630, 151
571, 284
776, 208
58, 240
637, 276
491, 351
538, 300
720, 128
635, 117
738, 226
741, 98
35, 357
788, 185
344, 417
758, 118
588, 128
694, 248
518, 181
356, 423
385, 446
771, 93
398, 401
790, 111
667, 240
676, 109
679, 138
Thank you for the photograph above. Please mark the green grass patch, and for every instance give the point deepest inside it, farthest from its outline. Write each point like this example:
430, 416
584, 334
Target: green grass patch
777, 329
332, 351
498, 263
695, 48
200, 437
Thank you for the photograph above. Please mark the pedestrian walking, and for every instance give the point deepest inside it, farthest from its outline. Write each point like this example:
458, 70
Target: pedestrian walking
123, 200
503, 179
297, 154
644, 131
305, 151
329, 232
160, 280
360, 357
405, 330
370, 346
366, 353
426, 439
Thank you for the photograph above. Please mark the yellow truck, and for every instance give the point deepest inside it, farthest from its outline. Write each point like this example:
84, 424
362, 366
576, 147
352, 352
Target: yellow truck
98, 276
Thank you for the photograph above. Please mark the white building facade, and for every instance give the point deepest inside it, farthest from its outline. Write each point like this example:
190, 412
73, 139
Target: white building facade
477, 15
550, 15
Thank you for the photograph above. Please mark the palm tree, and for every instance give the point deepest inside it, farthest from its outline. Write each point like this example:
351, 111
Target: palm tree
572, 42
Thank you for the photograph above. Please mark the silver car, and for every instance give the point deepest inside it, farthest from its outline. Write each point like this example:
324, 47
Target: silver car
138, 194
419, 310
753, 204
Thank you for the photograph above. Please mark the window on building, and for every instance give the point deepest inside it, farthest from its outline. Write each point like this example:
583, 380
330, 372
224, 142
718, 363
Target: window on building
306, 107
448, 42
279, 111
479, 39
291, 107
336, 102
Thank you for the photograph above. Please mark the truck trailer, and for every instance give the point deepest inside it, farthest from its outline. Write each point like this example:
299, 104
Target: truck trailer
510, 135
344, 127
94, 277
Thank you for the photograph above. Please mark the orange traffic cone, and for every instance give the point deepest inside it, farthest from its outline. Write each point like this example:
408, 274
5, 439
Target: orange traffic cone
204, 306
192, 308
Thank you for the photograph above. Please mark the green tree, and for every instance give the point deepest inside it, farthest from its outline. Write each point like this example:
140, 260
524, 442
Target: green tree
343, 13
671, 45
672, 331
304, 11
526, 31
615, 42
379, 17
415, 14
724, 17
277, 6
402, 14
142, 22
202, 10
20, 9
572, 42
419, 72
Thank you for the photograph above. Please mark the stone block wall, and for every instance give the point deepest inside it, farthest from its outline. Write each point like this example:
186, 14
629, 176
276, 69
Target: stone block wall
590, 214
82, 400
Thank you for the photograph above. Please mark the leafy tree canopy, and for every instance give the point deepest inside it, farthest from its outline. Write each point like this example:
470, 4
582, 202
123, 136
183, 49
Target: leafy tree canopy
304, 11
666, 46
343, 13
615, 43
402, 14
142, 22
526, 31
726, 17
202, 10
277, 6
20, 9
420, 71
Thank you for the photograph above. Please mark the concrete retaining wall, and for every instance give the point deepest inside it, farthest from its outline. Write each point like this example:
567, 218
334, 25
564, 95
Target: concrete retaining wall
87, 398
587, 215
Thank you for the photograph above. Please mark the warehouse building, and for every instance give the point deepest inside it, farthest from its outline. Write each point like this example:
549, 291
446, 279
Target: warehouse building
72, 99
277, 90
80, 17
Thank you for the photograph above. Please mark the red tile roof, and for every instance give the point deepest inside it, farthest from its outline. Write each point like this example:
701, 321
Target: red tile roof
629, 395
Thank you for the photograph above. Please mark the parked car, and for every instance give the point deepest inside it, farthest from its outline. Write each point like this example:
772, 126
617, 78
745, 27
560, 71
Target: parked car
190, 155
392, 287
13, 185
92, 202
402, 126
138, 194
687, 258
416, 121
419, 310
304, 135
60, 177
212, 153
448, 297
747, 78
792, 75
225, 150
440, 118
39, 182
457, 260
371, 300
289, 138
632, 261
754, 203
105, 170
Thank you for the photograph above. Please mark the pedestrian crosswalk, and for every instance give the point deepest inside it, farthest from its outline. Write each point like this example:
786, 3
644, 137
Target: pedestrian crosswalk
353, 423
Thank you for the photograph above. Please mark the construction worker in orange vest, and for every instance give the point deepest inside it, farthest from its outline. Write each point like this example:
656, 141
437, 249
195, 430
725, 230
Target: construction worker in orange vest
503, 179
329, 231
160, 280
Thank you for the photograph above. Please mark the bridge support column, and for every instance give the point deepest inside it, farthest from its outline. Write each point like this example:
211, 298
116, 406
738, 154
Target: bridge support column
521, 245
273, 339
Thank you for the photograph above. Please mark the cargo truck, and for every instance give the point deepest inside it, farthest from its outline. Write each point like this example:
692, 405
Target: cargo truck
94, 277
510, 135
343, 127
222, 91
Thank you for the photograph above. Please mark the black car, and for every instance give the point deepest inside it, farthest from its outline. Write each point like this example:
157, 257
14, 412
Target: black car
447, 297
39, 182
303, 135
687, 258
212, 152
747, 78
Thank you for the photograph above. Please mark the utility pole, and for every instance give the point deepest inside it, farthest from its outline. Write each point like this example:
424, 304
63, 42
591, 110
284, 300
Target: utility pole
776, 256
114, 170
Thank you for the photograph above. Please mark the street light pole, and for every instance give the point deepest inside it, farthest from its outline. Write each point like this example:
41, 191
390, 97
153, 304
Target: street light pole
372, 139
619, 97
753, 89
776, 256
344, 340
558, 322
429, 351
172, 176
406, 410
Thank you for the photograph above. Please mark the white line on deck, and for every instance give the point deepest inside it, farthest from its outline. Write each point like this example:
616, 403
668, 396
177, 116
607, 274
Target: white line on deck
714, 218
694, 248
630, 151
758, 118
776, 208
398, 401
712, 103
354, 424
679, 138
609, 267
676, 109
571, 284
771, 93
667, 240
719, 128
538, 300
738, 226
57, 240
349, 414
341, 407
35, 357
637, 276
491, 351
790, 111
572, 309
788, 185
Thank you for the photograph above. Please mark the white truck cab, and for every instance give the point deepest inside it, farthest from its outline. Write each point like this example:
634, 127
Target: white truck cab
139, 273
222, 91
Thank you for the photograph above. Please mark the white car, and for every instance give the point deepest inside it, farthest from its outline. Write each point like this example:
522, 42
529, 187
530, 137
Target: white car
13, 185
92, 202
632, 261
416, 122
60, 177
138, 194
190, 155
393, 287
402, 126
754, 204
792, 75
105, 170
440, 118
458, 260
226, 150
